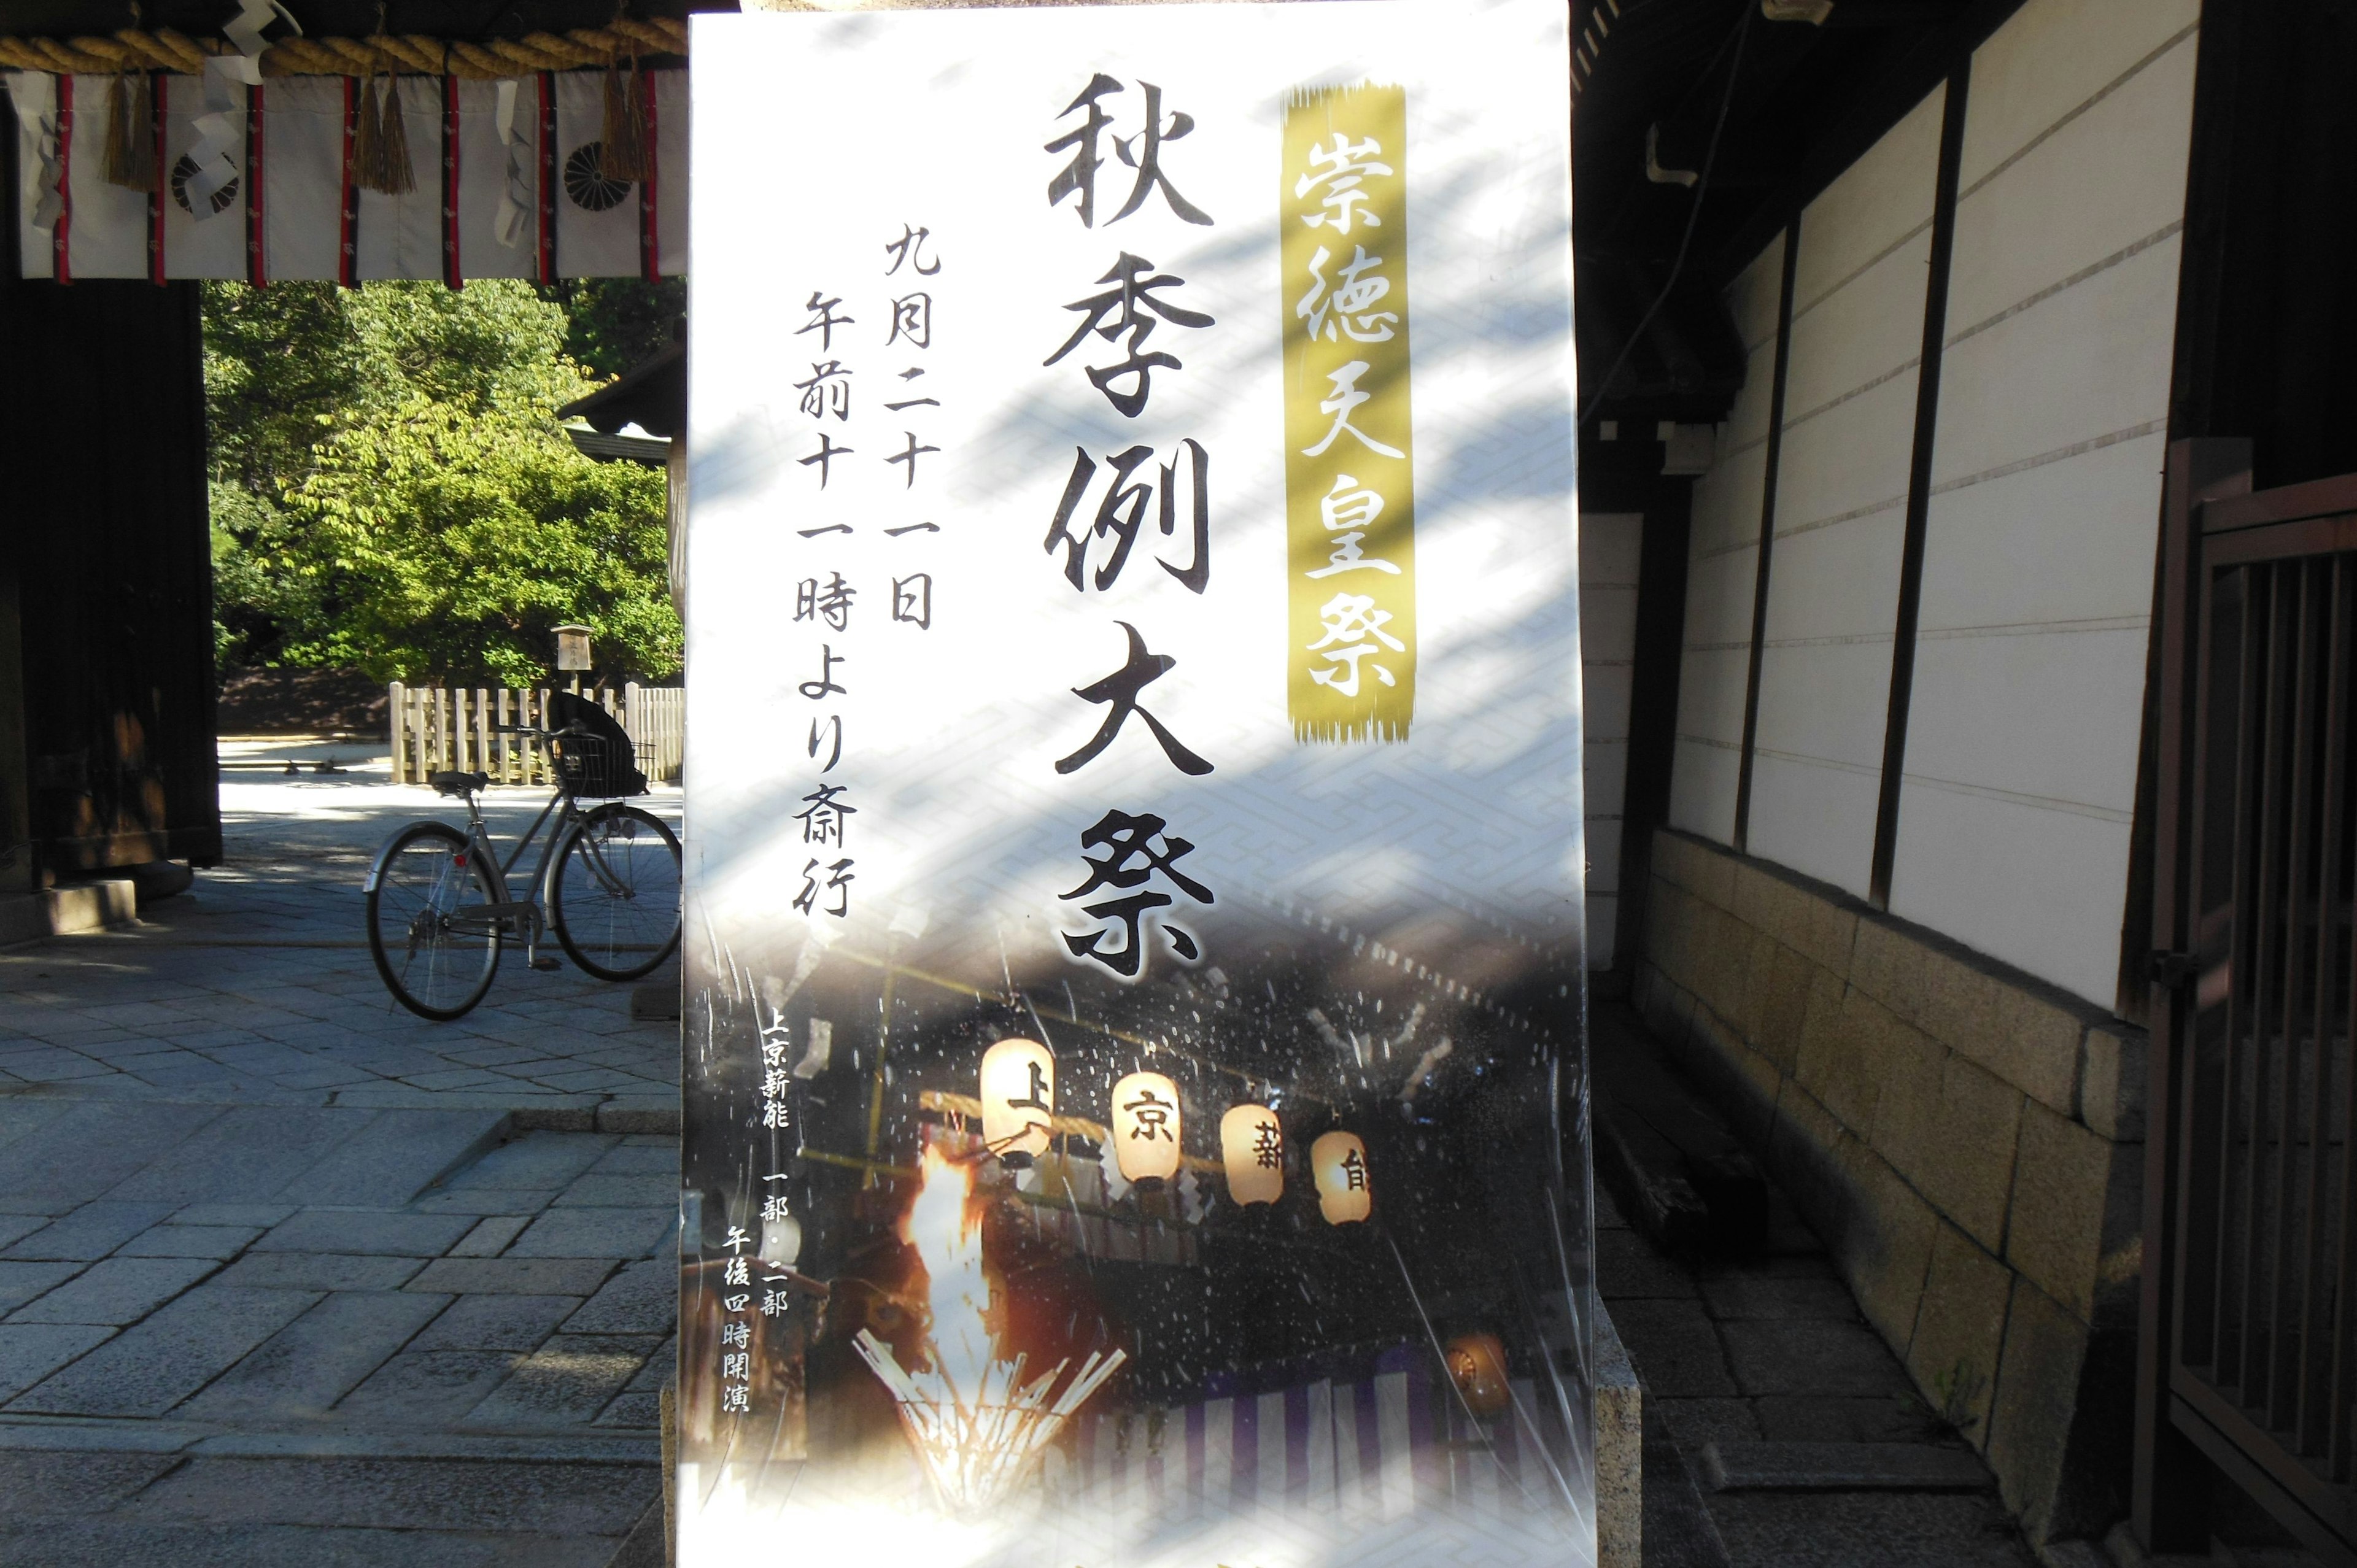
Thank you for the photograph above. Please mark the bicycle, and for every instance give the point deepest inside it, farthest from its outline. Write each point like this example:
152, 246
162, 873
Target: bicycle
438, 901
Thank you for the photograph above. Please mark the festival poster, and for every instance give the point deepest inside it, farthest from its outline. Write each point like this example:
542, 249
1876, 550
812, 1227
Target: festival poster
1133, 1019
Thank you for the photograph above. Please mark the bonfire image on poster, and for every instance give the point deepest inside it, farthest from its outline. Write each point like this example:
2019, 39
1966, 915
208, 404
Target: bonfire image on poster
1135, 1083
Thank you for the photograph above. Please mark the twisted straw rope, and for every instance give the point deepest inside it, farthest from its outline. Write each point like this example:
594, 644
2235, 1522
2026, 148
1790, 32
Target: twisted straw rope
165, 50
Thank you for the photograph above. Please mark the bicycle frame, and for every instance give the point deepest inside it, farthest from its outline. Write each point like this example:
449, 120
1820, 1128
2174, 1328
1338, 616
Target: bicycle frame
505, 915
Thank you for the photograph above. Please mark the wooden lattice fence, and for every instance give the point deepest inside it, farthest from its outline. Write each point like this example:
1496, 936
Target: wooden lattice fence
459, 728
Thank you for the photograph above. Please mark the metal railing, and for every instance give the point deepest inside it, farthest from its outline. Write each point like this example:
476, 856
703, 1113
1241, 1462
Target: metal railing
460, 728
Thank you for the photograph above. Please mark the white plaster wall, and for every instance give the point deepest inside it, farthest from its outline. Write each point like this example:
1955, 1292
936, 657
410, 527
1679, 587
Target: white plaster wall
2021, 755
1850, 401
1610, 544
1723, 564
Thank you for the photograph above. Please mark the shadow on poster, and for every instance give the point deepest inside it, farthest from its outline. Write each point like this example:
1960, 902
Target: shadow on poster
1134, 1101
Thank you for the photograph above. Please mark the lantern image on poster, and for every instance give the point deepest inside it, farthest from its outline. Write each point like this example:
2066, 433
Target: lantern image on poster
1145, 1129
1476, 1365
1252, 1147
1339, 1161
1019, 1097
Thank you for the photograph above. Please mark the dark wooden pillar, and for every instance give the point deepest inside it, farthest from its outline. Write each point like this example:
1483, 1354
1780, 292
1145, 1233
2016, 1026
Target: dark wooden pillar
106, 678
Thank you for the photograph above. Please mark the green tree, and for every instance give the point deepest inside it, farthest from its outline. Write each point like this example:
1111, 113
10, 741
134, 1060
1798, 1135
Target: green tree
615, 324
391, 491
458, 541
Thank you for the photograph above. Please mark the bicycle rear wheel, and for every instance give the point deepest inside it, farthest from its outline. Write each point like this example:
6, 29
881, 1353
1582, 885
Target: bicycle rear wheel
614, 896
436, 961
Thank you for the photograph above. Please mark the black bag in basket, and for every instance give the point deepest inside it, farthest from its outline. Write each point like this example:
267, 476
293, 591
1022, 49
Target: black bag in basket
600, 762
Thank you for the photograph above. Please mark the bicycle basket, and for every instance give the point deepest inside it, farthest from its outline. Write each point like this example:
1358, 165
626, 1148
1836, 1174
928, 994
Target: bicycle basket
599, 760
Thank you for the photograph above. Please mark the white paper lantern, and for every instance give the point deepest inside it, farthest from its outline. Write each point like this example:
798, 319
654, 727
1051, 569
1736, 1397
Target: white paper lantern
1251, 1147
1145, 1129
1019, 1097
782, 1241
1345, 1194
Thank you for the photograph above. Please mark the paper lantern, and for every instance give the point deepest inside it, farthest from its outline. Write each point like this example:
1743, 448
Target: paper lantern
782, 1241
1018, 1096
1476, 1365
1339, 1161
1251, 1147
1145, 1129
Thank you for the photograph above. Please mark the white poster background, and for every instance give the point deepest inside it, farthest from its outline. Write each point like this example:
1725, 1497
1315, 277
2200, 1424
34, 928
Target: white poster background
1455, 855
816, 140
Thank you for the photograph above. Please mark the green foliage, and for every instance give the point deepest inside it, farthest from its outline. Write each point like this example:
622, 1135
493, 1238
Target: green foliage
617, 323
392, 492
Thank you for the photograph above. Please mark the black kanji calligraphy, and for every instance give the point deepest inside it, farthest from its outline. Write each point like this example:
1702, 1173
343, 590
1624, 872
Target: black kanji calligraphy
912, 600
828, 391
826, 734
829, 601
1129, 863
1129, 309
1080, 176
839, 878
823, 815
1142, 152
912, 321
823, 320
825, 457
1036, 1097
909, 455
1122, 510
824, 686
1150, 1117
908, 251
1268, 1147
1120, 692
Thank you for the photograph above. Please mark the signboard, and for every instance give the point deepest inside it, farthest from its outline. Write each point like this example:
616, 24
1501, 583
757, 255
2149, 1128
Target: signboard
1134, 1015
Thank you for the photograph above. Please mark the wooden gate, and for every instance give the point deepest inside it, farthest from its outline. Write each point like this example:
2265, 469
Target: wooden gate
2249, 1348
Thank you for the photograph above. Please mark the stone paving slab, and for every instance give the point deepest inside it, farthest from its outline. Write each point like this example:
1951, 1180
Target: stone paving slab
115, 1291
31, 1351
109, 1540
307, 1366
153, 1366
643, 1298
366, 1231
320, 1272
1765, 1367
516, 1323
258, 982
291, 1276
429, 1495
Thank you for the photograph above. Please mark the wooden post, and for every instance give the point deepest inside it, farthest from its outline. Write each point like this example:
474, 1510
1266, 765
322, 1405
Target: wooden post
483, 729
420, 734
396, 699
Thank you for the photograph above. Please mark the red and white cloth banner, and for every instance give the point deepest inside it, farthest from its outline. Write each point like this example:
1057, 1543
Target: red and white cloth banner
72, 223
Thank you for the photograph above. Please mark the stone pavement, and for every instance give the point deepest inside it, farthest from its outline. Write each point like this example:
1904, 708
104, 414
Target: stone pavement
290, 1276
258, 984
1758, 1369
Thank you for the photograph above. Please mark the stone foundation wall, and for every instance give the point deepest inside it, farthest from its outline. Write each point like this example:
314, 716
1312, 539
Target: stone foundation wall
1967, 1140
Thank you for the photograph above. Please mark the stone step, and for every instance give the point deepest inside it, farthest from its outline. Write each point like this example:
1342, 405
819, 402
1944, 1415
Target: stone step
1842, 1467
1677, 1169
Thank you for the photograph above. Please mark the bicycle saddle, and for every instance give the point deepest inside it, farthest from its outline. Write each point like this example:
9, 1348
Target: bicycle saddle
456, 784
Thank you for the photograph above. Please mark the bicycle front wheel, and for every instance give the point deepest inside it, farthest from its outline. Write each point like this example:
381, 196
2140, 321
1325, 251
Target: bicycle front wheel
614, 898
432, 944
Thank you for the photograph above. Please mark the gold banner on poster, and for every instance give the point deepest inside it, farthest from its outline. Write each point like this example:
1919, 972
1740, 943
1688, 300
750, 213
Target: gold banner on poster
1350, 491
